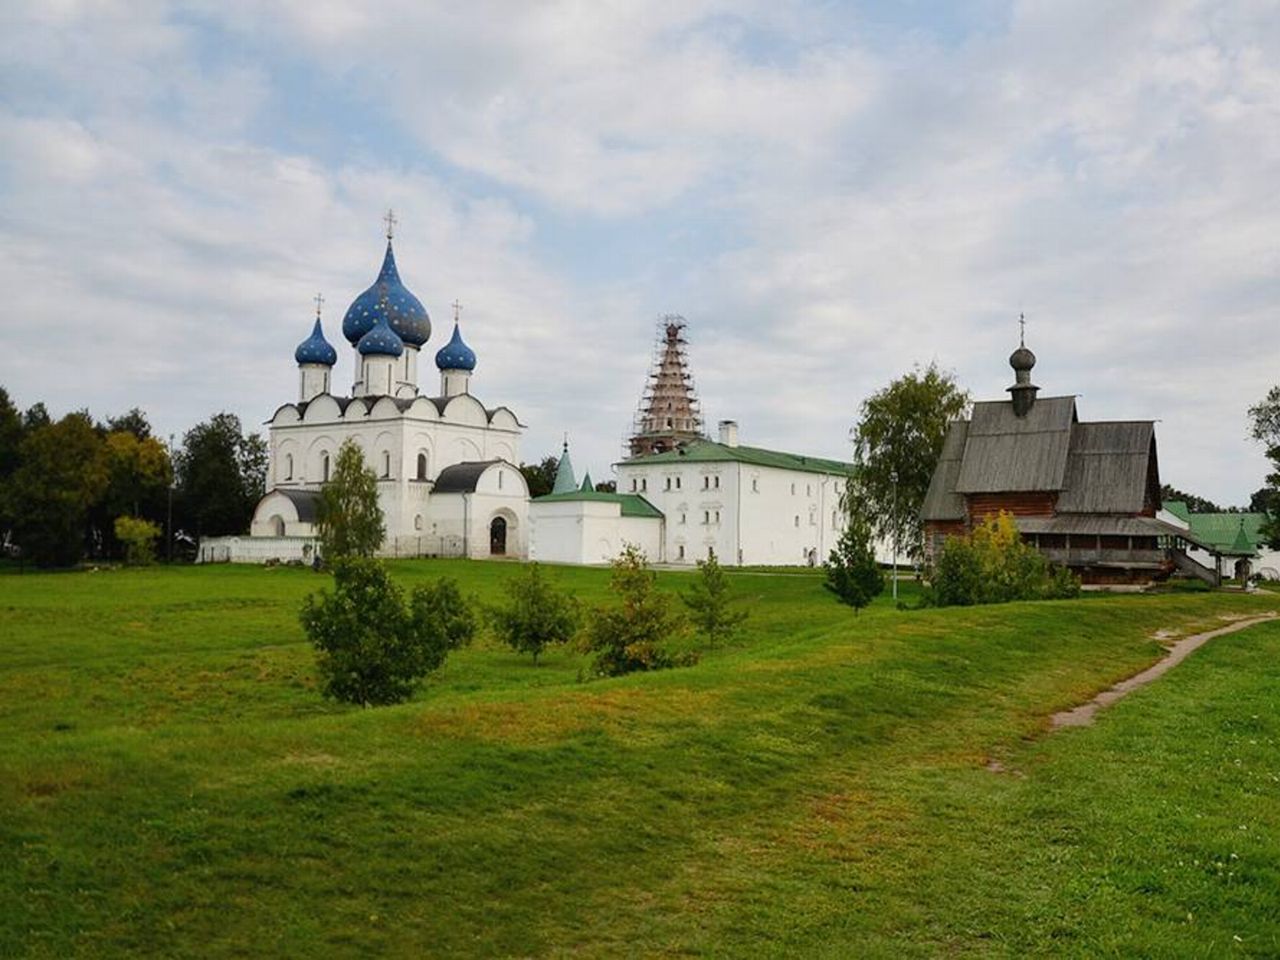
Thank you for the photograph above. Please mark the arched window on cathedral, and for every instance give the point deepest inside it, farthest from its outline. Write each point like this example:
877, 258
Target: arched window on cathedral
324, 467
422, 466
288, 466
386, 463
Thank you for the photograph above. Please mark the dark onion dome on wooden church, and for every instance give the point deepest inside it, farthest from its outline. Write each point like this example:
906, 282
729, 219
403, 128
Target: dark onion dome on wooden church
455, 355
381, 340
388, 295
316, 349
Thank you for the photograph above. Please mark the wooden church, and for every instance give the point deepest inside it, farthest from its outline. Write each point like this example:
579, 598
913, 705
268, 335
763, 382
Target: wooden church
1084, 493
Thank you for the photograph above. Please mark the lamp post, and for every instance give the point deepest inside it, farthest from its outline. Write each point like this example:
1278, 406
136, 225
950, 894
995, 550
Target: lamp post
893, 520
169, 510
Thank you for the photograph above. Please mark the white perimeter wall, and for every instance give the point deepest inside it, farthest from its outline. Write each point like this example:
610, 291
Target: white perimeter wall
589, 531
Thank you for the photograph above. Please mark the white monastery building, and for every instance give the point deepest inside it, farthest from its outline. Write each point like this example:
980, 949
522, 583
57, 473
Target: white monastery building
448, 481
748, 505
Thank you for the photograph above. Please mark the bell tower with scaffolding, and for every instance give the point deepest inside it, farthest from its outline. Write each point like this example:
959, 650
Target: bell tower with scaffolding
668, 414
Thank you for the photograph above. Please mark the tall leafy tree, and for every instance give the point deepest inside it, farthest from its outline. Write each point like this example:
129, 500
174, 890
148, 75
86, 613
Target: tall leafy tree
11, 433
220, 476
540, 476
1264, 426
61, 475
351, 522
134, 422
1194, 503
897, 441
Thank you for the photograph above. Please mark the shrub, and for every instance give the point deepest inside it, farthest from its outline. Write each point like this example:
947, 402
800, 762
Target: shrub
627, 636
536, 615
139, 538
372, 649
993, 565
708, 602
852, 572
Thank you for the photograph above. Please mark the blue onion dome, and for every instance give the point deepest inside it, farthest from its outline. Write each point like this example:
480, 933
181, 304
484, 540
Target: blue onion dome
405, 313
380, 341
456, 355
316, 349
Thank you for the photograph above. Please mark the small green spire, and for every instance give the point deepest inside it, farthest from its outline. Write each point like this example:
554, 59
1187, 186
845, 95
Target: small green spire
564, 473
587, 485
1242, 544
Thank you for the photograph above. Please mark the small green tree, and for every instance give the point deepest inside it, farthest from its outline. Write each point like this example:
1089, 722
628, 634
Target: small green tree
628, 635
350, 522
852, 572
536, 615
139, 538
372, 649
708, 600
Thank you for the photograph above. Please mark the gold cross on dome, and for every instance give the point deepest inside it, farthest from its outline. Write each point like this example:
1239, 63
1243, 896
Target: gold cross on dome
391, 221
319, 298
457, 311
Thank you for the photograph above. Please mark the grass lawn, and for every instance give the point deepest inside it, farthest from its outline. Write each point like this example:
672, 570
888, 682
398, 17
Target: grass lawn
171, 783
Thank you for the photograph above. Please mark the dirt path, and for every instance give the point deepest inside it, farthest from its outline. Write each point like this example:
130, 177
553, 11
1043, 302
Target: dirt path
1083, 715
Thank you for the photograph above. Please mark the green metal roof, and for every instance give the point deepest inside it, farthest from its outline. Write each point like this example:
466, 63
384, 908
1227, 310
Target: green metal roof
1228, 531
1179, 509
564, 482
633, 505
708, 451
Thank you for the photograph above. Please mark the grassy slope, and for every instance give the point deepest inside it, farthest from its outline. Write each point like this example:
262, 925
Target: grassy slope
172, 784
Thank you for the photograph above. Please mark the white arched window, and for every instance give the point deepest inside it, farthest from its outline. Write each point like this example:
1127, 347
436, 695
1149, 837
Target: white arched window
324, 467
417, 522
386, 463
288, 466
422, 466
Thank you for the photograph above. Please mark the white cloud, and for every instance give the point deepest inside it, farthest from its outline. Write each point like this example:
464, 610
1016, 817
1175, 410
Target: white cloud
827, 207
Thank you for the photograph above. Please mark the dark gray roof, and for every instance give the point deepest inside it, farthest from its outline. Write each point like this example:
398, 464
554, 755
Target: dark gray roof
461, 477
306, 502
1108, 466
1095, 468
1100, 523
1005, 453
942, 502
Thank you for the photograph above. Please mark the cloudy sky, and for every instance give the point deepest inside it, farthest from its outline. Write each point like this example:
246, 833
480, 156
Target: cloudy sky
829, 192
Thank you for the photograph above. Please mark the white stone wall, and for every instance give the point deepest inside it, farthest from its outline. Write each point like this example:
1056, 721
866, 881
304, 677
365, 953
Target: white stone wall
748, 514
589, 531
256, 549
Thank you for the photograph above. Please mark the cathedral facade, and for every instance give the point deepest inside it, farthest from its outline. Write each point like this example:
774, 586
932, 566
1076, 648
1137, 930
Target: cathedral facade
448, 480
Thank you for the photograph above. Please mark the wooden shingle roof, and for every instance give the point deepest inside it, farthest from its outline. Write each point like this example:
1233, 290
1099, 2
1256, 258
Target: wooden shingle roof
1006, 453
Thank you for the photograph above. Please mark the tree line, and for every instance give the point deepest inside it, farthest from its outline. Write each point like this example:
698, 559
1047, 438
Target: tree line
79, 488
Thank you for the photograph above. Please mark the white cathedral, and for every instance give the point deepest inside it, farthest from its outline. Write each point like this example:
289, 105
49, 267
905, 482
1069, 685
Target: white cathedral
448, 480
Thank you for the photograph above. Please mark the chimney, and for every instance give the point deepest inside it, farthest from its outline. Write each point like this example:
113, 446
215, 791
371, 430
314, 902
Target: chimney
729, 433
